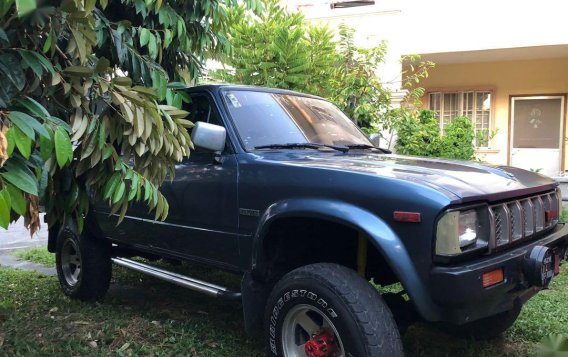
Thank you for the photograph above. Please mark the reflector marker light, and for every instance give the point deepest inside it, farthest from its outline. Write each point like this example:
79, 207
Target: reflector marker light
493, 277
411, 217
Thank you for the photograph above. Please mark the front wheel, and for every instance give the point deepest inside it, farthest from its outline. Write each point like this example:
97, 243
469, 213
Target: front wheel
83, 265
327, 310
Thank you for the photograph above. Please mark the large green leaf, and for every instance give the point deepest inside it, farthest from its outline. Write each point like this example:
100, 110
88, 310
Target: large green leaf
25, 6
5, 6
32, 62
167, 38
23, 143
144, 36
5, 205
46, 145
45, 63
78, 71
60, 123
22, 121
18, 200
48, 42
63, 147
134, 187
81, 44
11, 140
36, 125
111, 185
12, 70
153, 47
20, 176
34, 107
119, 192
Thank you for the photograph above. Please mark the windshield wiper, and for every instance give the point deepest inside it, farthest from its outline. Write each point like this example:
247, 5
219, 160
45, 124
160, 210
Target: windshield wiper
302, 146
367, 146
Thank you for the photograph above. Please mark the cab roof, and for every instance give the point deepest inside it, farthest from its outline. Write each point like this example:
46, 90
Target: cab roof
215, 88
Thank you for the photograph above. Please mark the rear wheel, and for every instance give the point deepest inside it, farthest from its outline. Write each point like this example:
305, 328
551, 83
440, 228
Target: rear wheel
327, 310
83, 265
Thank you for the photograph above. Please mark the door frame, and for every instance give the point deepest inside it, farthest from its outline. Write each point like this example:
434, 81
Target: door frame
562, 134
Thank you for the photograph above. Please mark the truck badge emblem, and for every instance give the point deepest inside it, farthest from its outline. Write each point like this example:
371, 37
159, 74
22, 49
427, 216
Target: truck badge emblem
249, 212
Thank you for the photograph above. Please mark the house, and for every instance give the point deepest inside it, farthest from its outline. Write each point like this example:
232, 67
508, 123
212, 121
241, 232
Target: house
504, 64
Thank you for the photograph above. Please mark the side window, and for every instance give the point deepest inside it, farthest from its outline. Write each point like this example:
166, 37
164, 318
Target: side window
202, 109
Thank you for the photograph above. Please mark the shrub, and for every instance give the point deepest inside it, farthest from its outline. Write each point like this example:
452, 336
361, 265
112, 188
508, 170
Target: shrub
419, 135
457, 141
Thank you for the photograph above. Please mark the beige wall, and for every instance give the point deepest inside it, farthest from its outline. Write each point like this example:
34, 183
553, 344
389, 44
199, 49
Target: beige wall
528, 77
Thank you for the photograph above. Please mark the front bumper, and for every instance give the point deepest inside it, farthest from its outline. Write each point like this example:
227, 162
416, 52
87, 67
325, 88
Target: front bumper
459, 292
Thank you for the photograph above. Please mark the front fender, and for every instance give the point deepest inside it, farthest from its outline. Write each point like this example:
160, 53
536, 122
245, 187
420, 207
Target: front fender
381, 236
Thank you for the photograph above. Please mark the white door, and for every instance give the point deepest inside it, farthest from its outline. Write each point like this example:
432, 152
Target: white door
537, 133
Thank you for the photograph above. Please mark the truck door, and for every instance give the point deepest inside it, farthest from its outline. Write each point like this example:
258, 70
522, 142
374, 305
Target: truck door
203, 220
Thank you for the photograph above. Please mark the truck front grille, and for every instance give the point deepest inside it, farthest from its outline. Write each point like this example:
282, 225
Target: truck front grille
521, 219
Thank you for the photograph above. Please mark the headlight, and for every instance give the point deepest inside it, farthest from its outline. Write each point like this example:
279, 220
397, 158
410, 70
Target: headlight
467, 228
459, 231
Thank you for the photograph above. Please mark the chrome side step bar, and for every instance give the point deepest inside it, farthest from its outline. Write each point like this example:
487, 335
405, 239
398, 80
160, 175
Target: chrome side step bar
178, 279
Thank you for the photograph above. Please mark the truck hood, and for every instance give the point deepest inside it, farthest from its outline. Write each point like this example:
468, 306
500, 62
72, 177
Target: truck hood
464, 179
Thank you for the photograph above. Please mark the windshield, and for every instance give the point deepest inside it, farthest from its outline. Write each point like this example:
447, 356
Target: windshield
263, 118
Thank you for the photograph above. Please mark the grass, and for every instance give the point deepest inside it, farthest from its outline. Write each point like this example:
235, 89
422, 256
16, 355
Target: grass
564, 216
152, 318
144, 316
38, 255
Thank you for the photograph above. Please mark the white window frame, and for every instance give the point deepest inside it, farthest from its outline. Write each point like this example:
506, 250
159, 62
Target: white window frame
462, 110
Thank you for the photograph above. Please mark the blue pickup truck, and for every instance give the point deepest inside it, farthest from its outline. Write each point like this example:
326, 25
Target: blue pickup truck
284, 190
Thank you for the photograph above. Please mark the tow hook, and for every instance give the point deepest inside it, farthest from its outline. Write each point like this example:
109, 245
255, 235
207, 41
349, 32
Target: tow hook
539, 266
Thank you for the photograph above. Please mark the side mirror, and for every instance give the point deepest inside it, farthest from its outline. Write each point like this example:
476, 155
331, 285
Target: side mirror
375, 139
208, 136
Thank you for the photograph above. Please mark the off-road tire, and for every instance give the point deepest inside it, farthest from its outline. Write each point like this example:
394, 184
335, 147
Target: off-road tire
487, 328
363, 321
93, 279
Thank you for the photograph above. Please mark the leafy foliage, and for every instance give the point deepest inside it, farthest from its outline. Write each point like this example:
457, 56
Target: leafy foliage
457, 141
419, 134
355, 86
280, 49
277, 48
90, 102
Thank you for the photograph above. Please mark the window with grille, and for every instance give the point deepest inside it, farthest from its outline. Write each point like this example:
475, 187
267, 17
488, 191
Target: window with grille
476, 105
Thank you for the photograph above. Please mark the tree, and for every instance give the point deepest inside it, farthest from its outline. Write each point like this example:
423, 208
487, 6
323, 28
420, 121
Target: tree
90, 104
277, 48
280, 49
355, 86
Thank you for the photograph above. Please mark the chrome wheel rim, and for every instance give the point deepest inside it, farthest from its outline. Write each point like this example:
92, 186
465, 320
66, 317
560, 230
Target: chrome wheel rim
71, 262
302, 324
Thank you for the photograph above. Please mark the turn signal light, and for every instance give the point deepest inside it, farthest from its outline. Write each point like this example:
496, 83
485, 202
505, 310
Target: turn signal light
493, 277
